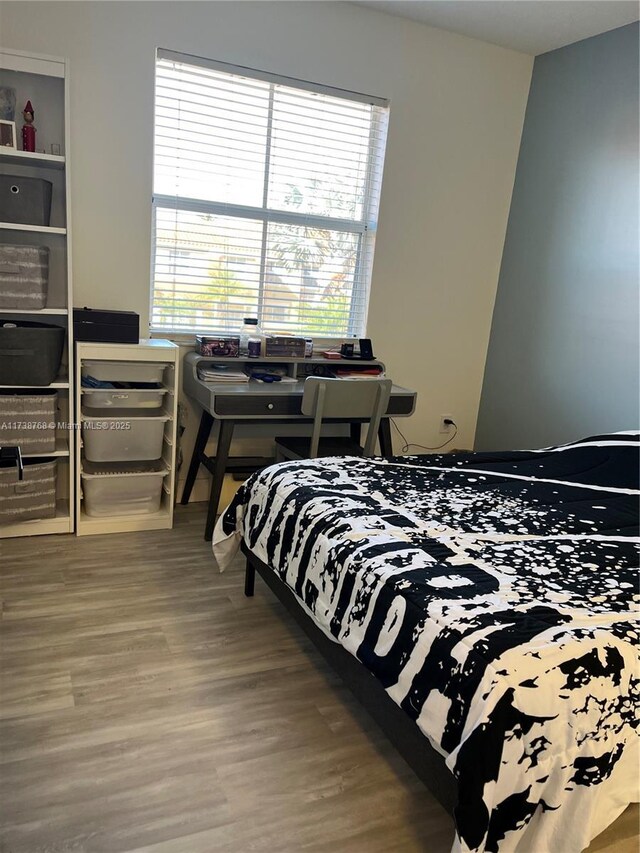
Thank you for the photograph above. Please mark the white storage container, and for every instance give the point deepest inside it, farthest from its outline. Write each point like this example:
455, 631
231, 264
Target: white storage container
124, 371
123, 488
122, 439
123, 398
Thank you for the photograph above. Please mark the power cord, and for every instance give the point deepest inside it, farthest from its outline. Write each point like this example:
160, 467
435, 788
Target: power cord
407, 444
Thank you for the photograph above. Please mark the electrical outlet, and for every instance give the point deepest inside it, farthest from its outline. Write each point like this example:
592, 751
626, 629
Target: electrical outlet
446, 428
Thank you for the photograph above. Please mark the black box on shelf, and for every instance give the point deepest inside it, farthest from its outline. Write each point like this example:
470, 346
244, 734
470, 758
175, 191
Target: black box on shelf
106, 327
25, 201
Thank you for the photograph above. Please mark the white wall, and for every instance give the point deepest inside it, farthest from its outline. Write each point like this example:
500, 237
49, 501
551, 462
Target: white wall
457, 107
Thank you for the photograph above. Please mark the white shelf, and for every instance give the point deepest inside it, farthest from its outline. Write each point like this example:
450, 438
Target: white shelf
62, 449
34, 311
34, 229
62, 523
29, 158
61, 382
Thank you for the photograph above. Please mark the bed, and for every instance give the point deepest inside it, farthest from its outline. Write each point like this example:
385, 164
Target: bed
493, 599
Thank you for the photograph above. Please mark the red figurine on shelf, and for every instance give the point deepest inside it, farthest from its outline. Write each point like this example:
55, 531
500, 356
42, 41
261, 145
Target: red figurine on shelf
28, 130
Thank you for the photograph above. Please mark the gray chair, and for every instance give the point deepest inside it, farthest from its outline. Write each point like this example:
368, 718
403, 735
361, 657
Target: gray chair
357, 399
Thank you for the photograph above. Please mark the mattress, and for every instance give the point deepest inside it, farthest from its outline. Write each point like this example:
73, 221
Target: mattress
495, 597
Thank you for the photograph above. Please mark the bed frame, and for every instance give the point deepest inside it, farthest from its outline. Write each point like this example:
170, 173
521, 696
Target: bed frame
405, 735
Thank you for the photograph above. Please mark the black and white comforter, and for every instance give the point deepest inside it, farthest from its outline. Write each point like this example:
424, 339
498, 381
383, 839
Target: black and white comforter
495, 598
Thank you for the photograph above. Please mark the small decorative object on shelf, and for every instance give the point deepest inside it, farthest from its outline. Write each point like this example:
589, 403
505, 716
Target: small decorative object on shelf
55, 149
225, 346
285, 345
8, 134
28, 130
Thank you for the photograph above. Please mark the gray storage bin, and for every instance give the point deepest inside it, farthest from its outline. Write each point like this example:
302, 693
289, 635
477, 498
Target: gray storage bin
32, 497
30, 353
26, 201
29, 421
123, 398
123, 488
24, 276
122, 439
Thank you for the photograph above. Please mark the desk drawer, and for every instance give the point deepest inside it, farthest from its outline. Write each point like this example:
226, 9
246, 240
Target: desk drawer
235, 405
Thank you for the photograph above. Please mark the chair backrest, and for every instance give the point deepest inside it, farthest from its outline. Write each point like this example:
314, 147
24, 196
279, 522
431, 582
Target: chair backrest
345, 398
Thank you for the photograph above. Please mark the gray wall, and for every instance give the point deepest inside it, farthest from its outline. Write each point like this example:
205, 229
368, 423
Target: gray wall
564, 353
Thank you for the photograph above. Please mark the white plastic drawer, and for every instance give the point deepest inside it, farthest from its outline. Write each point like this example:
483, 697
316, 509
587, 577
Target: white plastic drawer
124, 371
122, 489
122, 439
123, 398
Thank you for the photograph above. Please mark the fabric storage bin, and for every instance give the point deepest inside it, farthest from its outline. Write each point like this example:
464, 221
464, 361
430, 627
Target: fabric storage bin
123, 488
29, 420
123, 371
122, 438
24, 276
30, 353
32, 497
26, 201
123, 398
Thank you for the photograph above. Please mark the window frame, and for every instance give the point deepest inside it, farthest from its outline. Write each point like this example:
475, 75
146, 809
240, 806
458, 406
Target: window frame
365, 228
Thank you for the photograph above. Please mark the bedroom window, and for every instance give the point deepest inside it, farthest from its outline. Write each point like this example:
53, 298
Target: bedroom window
265, 200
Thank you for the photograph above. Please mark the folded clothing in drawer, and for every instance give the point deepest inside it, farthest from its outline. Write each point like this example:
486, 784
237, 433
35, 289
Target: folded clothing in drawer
123, 398
124, 371
32, 497
122, 438
24, 276
125, 488
29, 421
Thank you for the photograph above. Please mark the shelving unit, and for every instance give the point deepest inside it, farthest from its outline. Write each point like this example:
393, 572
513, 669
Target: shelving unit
156, 352
45, 81
32, 158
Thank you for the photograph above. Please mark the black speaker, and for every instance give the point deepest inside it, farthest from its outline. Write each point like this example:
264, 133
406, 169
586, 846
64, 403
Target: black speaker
366, 349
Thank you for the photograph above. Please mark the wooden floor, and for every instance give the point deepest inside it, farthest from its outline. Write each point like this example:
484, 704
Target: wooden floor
148, 706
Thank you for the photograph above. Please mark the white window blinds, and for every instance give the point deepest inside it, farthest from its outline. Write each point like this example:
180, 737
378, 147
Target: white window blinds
265, 200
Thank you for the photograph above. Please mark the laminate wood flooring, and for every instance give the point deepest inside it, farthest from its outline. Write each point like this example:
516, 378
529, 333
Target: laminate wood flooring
148, 707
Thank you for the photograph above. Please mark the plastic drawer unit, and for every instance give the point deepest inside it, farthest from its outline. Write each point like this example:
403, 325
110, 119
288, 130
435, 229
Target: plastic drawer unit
122, 438
124, 371
122, 488
123, 398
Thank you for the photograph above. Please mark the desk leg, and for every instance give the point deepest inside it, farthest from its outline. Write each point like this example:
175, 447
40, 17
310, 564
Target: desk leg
384, 437
249, 579
206, 422
220, 467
